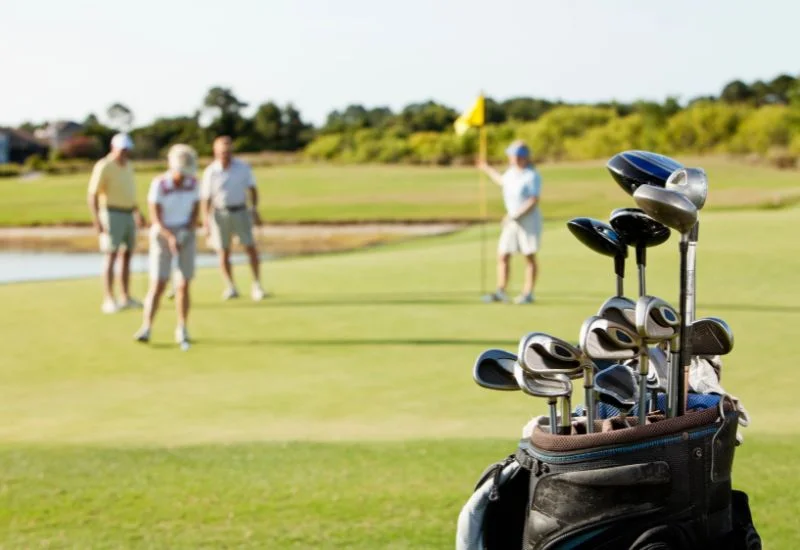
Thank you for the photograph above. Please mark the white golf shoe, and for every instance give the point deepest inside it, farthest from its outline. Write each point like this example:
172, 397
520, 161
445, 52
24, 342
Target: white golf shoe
130, 303
181, 335
230, 293
109, 306
142, 335
257, 293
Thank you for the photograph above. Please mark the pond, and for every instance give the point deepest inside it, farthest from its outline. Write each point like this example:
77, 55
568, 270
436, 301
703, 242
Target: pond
16, 267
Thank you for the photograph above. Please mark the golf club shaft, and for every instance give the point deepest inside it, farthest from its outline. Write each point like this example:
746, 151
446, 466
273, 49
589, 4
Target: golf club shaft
643, 364
565, 427
619, 269
641, 262
691, 304
588, 399
553, 416
676, 405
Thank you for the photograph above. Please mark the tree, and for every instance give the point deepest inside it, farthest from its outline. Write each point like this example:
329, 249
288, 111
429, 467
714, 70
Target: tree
120, 117
222, 101
295, 133
525, 109
268, 126
428, 117
495, 114
91, 120
782, 85
736, 92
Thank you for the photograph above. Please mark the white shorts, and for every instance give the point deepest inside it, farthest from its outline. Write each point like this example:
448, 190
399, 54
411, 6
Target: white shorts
161, 256
519, 238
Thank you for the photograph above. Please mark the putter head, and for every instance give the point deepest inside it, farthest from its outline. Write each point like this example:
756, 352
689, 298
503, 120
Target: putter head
658, 369
619, 309
637, 228
616, 386
691, 183
668, 207
599, 236
550, 387
542, 354
494, 370
656, 320
632, 169
602, 338
711, 336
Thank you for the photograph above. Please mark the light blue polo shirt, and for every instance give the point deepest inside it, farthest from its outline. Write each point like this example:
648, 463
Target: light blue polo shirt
519, 185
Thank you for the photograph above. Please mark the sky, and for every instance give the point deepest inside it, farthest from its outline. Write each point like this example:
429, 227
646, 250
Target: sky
63, 60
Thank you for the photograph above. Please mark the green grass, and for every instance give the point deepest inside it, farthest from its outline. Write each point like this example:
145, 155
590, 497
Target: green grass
341, 413
346, 193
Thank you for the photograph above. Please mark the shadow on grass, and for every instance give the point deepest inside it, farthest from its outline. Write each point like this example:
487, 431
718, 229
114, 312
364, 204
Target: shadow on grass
347, 342
391, 299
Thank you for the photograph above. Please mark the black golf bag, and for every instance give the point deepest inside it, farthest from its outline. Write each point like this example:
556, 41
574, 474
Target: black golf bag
665, 486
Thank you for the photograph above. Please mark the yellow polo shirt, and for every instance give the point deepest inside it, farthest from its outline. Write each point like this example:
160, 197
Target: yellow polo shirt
114, 184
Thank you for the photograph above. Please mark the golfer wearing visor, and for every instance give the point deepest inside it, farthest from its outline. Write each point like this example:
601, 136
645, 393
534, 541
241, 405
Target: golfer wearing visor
522, 226
173, 201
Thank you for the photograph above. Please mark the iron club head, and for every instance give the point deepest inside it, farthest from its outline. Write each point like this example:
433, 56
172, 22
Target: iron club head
541, 353
494, 370
603, 339
711, 336
656, 320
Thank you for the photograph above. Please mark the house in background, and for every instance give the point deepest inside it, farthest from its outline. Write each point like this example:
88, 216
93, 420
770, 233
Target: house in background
18, 145
58, 132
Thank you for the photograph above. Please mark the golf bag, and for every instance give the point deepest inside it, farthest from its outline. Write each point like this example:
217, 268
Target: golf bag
666, 486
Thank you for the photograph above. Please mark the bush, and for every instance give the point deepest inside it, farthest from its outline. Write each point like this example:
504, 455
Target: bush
81, 147
326, 147
764, 129
547, 136
10, 170
704, 127
35, 163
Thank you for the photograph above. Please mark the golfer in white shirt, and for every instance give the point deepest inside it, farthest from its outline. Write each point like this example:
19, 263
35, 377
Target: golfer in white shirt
522, 225
173, 200
227, 184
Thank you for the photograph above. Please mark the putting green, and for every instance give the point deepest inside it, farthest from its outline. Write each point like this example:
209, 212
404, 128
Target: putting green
341, 413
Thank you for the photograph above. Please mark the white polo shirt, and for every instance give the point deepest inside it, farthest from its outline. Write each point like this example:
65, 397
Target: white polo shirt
177, 203
227, 187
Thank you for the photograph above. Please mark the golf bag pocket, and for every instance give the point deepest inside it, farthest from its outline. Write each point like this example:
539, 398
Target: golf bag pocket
663, 483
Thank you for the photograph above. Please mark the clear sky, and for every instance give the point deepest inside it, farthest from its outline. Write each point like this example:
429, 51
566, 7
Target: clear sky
64, 59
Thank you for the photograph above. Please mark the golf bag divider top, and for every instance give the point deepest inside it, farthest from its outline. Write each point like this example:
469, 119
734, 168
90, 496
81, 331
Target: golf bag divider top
664, 485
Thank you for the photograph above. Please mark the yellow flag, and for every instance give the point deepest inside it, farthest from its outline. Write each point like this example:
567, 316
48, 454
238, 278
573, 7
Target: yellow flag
474, 116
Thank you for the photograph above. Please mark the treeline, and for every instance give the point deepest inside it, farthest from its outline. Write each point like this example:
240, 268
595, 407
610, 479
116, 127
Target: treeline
760, 118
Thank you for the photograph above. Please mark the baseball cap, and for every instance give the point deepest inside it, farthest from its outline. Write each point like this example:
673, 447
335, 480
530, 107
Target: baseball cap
518, 149
122, 141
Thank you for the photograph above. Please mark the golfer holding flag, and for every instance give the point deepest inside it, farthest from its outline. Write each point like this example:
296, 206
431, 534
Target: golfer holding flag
173, 201
522, 225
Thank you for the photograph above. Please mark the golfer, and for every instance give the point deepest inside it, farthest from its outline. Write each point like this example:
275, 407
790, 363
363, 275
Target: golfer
227, 183
173, 200
115, 215
522, 225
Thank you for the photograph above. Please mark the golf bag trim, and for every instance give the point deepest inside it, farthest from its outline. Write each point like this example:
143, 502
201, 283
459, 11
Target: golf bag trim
545, 441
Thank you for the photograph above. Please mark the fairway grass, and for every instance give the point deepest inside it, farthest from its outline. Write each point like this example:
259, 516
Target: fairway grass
330, 193
341, 412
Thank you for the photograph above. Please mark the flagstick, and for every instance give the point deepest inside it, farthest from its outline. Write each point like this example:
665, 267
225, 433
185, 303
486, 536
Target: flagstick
483, 209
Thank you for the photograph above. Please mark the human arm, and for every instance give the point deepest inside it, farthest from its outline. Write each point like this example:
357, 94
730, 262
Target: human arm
96, 186
141, 221
253, 192
493, 174
206, 205
156, 214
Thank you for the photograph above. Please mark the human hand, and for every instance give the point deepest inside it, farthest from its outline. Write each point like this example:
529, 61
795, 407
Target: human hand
98, 227
172, 243
256, 218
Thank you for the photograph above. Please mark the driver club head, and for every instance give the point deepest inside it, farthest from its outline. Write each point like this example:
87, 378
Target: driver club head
637, 228
619, 309
632, 169
543, 354
603, 339
656, 320
711, 336
691, 183
616, 386
494, 370
668, 207
599, 236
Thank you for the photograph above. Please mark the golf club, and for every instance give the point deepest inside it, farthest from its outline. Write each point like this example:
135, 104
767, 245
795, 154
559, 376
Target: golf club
656, 322
494, 370
639, 230
619, 309
711, 336
601, 237
657, 374
616, 386
632, 169
550, 387
678, 212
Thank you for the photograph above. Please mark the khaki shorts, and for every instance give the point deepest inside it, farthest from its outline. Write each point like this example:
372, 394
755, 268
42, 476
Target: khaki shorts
120, 229
226, 223
522, 238
161, 256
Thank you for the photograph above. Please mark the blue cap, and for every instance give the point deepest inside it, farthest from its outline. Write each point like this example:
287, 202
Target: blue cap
518, 149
